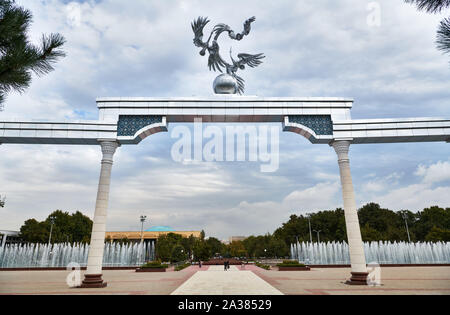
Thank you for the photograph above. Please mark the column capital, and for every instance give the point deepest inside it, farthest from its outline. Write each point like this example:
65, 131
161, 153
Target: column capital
342, 147
108, 150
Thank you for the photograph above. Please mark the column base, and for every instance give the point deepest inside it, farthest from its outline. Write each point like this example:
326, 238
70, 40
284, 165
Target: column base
358, 278
93, 281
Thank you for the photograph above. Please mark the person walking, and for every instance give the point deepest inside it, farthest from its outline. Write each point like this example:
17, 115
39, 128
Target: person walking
200, 264
225, 265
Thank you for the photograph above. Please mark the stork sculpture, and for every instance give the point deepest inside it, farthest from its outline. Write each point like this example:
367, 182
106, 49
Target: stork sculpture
229, 82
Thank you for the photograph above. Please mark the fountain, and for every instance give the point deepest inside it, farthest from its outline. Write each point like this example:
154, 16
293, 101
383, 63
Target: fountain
60, 255
337, 253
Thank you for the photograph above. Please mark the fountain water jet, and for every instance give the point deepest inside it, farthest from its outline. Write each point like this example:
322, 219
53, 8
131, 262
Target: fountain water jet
337, 253
60, 255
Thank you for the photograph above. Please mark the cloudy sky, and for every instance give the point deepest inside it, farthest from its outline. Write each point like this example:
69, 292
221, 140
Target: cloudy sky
313, 48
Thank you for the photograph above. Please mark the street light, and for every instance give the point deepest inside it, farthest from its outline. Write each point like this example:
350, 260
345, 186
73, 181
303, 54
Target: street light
318, 235
403, 214
309, 223
52, 221
143, 218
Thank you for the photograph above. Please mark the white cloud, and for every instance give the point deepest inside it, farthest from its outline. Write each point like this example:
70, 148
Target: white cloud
416, 196
434, 173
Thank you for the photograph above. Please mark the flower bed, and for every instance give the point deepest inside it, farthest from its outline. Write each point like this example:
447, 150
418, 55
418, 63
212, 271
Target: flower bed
263, 266
292, 265
152, 266
232, 261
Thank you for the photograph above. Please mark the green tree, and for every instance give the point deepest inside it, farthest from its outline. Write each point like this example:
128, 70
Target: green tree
34, 232
237, 249
165, 245
18, 57
201, 250
277, 248
430, 218
438, 235
188, 244
178, 254
66, 228
215, 246
80, 228
370, 234
437, 6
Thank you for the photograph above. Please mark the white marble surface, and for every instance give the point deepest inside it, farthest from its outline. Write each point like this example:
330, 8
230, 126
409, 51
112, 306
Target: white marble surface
216, 281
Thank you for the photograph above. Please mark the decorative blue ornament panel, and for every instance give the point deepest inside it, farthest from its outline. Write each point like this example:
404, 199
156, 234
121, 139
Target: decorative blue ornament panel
128, 125
320, 124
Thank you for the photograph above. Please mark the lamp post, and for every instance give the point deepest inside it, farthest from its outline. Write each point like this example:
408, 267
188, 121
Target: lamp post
52, 221
403, 213
143, 218
309, 223
318, 235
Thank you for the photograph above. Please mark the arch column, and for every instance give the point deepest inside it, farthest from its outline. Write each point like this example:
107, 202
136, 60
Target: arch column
357, 257
93, 275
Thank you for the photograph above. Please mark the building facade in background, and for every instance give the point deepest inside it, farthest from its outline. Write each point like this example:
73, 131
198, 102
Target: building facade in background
151, 234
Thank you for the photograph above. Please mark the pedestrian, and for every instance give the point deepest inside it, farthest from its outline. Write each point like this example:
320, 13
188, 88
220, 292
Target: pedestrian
200, 264
225, 265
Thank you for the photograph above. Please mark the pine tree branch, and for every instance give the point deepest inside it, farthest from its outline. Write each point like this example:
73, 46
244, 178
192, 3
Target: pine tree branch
430, 6
443, 36
49, 53
18, 57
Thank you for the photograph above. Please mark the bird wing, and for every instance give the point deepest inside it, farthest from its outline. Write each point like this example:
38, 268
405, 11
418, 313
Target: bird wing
250, 60
215, 61
247, 25
240, 82
220, 28
197, 27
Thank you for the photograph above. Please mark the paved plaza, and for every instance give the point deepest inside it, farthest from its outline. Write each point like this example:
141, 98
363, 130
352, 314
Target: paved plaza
213, 280
216, 281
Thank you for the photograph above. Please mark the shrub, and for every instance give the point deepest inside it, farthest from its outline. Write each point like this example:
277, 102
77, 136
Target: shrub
181, 267
291, 263
263, 266
154, 264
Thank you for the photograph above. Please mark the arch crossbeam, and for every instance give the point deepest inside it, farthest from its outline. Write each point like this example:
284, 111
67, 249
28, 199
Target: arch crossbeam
320, 120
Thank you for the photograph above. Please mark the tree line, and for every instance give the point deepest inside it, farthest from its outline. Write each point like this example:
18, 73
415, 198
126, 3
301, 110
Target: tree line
70, 228
377, 224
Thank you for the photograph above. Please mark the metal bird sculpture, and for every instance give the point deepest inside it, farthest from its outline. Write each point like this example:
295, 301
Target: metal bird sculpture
216, 62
